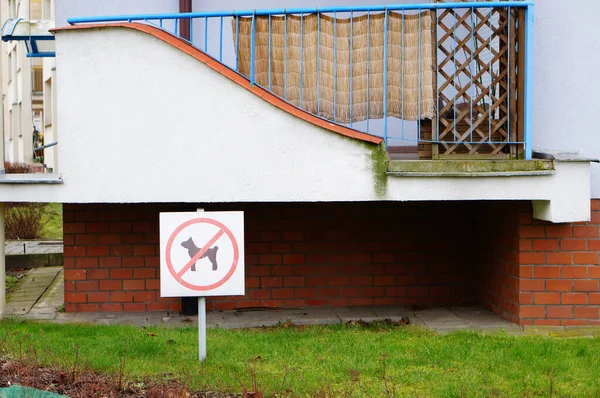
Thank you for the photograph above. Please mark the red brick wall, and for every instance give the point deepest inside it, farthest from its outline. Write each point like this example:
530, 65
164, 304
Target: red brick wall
338, 254
497, 248
317, 254
560, 271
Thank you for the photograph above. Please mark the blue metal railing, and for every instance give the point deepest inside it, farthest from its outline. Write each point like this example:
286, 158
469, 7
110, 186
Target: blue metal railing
482, 97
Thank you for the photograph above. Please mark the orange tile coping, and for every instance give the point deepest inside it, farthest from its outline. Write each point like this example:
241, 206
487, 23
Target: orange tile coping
187, 48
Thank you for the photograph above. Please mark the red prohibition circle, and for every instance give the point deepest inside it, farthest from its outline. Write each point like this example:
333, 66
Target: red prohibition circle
222, 227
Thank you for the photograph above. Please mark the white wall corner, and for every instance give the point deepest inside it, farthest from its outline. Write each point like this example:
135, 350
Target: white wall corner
570, 201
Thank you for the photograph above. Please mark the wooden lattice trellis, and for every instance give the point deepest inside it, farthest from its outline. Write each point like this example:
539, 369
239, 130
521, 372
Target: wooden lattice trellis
480, 112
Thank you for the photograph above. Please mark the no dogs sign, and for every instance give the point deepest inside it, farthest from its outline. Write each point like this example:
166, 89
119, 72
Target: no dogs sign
201, 254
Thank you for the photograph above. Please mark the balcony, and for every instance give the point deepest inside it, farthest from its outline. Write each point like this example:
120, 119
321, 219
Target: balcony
434, 81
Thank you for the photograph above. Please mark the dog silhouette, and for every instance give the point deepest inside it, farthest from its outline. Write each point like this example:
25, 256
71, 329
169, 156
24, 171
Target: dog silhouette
193, 250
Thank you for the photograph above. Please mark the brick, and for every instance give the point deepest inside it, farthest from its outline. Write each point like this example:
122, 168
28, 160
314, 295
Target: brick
306, 293
559, 285
133, 261
316, 281
282, 293
573, 244
109, 239
293, 259
120, 227
559, 231
373, 292
111, 285
88, 307
359, 280
574, 298
257, 270
134, 307
121, 297
270, 258
152, 261
559, 258
85, 239
574, 272
532, 232
546, 298
585, 231
595, 204
96, 227
74, 251
86, 262
121, 250
542, 272
279, 270
269, 281
532, 311
525, 298
594, 298
134, 284
563, 311
532, 258
292, 281
75, 297
154, 284
122, 273
545, 244
144, 273
260, 294
144, 227
594, 272
383, 280
590, 258
525, 272
98, 297
594, 244
360, 258
293, 236
328, 293
547, 322
157, 307
97, 274
280, 247
339, 280
590, 285
361, 301
109, 262
532, 285
75, 274
111, 307
144, 250
417, 291
142, 297
589, 312
86, 286
73, 228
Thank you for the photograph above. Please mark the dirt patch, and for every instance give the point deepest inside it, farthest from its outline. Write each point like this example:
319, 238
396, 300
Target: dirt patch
79, 383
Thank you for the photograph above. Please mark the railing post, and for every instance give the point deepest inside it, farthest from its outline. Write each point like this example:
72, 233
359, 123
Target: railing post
385, 67
252, 49
528, 81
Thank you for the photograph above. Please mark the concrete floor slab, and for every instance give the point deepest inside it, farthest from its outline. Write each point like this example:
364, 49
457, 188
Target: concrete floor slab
35, 283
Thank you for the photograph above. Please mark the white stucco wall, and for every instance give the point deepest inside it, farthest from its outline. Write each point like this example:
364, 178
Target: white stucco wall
156, 125
566, 79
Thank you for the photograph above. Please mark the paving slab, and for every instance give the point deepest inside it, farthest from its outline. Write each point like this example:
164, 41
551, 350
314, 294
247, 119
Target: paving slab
34, 284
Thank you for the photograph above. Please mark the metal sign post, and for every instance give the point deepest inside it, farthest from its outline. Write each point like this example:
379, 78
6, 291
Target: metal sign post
201, 322
202, 255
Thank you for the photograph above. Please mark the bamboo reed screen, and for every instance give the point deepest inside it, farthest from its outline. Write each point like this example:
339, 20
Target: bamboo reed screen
339, 63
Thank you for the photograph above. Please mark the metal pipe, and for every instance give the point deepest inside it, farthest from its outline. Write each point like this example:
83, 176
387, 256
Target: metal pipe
45, 146
385, 67
529, 16
272, 11
2, 264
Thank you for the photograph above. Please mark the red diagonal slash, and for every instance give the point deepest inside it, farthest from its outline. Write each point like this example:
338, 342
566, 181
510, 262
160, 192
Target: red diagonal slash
200, 253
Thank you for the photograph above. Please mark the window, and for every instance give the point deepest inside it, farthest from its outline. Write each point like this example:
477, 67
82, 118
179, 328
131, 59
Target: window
38, 79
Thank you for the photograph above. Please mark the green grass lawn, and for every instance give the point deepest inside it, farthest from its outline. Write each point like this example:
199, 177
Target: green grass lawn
53, 229
11, 284
341, 360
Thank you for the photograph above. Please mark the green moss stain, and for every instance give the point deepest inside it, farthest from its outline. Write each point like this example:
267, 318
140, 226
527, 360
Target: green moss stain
379, 162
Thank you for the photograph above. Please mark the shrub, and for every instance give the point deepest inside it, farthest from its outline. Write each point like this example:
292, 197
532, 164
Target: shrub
24, 220
17, 168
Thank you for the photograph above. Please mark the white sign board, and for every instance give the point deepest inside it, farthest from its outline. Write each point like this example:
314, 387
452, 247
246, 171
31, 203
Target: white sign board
202, 254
